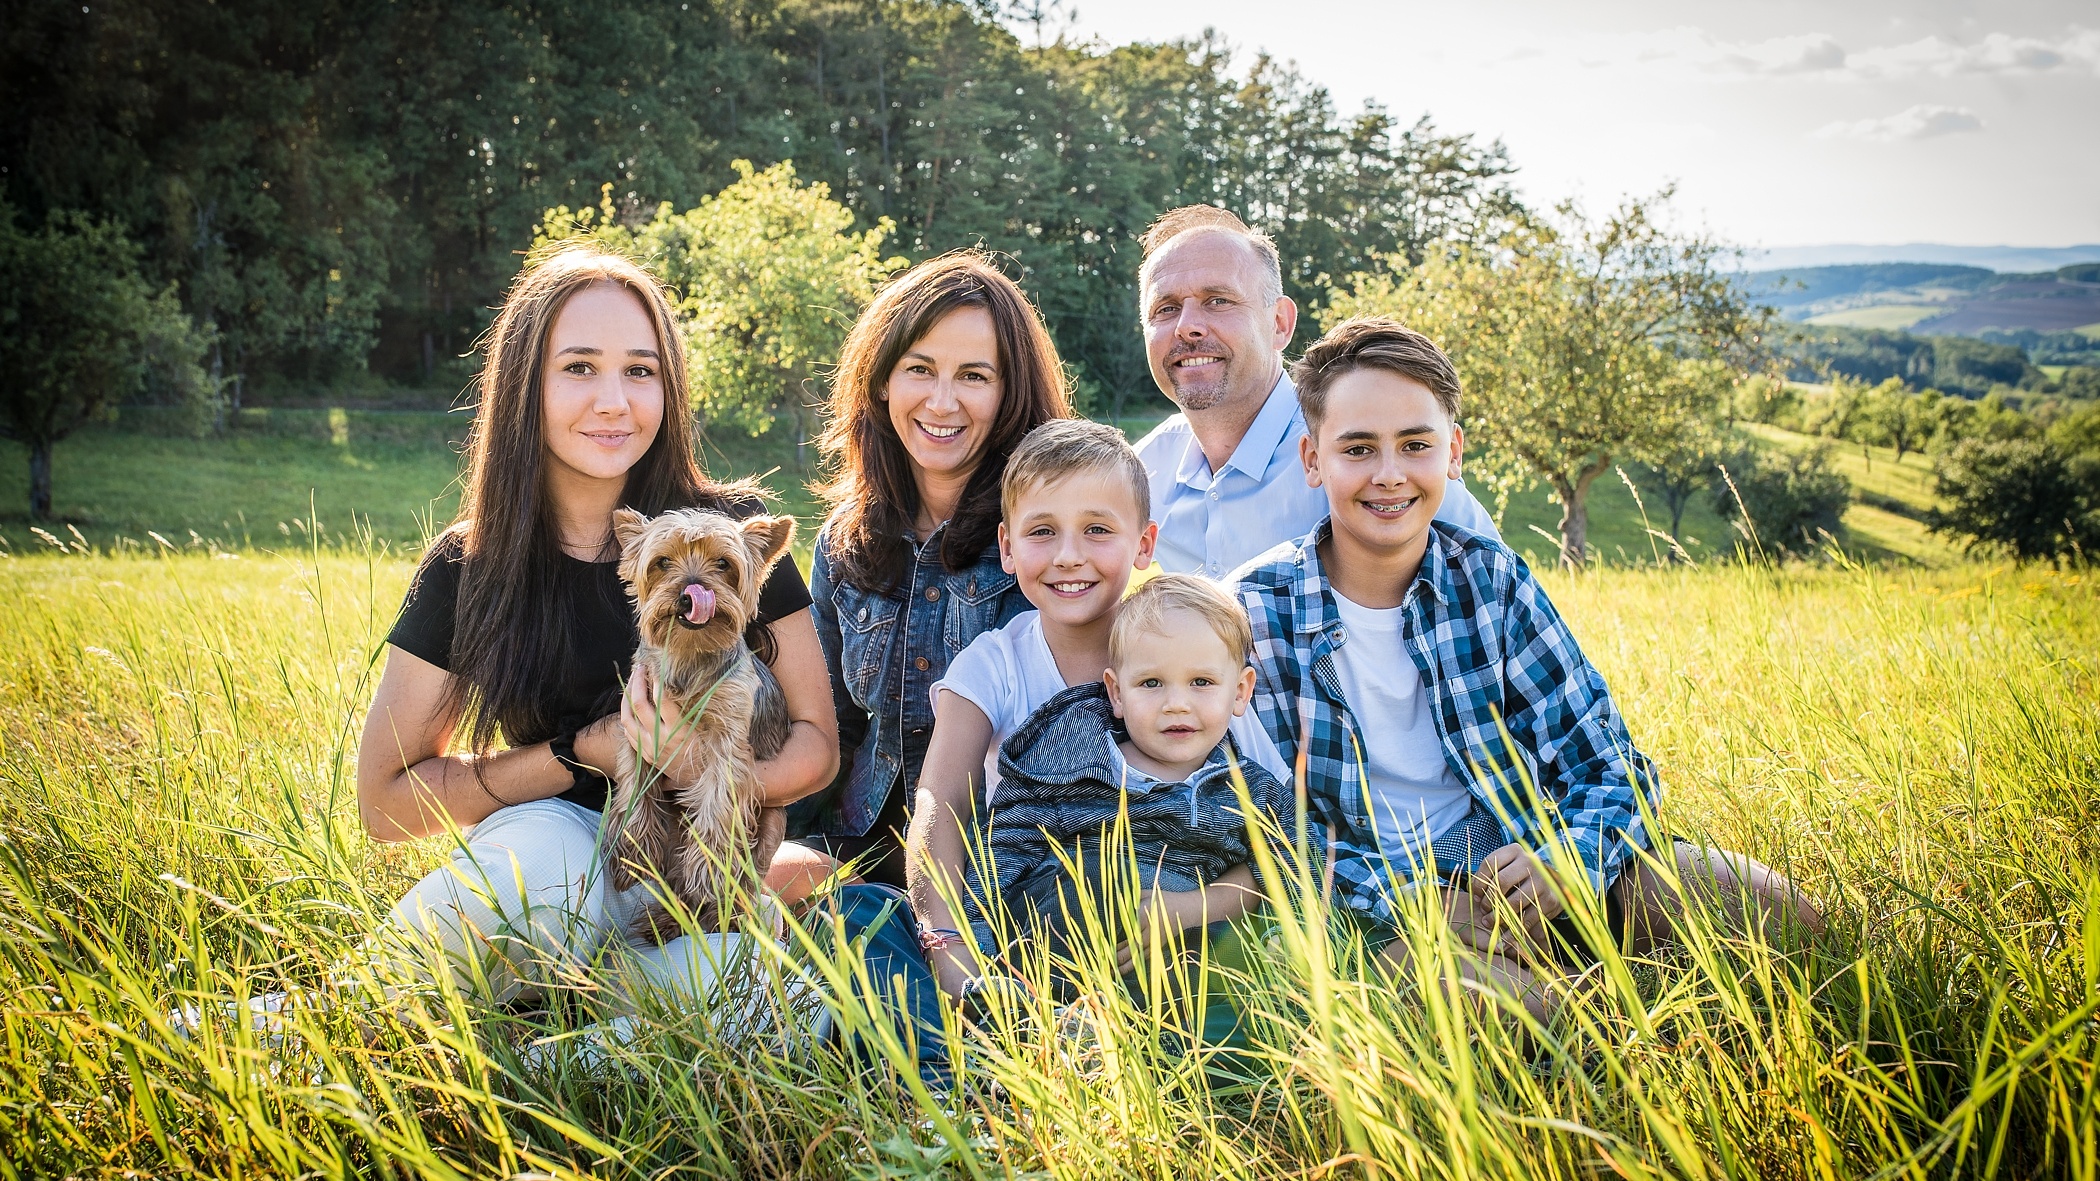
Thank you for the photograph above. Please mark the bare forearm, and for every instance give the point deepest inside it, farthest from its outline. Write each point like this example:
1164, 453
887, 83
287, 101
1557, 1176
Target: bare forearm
934, 854
805, 764
457, 791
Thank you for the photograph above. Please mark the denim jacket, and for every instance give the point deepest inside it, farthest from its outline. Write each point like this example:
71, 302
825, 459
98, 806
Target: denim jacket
884, 651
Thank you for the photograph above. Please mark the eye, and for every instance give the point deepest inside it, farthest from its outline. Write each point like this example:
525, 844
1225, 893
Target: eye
1357, 450
1099, 530
1202, 682
661, 564
1149, 683
640, 371
1040, 531
1415, 445
579, 368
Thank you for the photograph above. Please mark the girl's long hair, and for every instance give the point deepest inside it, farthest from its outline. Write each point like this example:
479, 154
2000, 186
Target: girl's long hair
514, 632
873, 498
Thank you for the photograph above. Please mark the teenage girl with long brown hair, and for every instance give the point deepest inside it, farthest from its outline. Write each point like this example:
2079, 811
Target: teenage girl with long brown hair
518, 625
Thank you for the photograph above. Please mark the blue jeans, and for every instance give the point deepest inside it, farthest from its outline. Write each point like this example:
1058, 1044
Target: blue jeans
902, 983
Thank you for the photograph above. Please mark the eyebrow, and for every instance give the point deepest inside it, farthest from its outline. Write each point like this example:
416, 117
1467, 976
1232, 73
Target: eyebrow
1404, 432
588, 351
914, 355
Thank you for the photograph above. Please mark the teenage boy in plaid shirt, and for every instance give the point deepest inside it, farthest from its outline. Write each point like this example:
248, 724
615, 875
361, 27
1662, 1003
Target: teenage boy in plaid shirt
1387, 645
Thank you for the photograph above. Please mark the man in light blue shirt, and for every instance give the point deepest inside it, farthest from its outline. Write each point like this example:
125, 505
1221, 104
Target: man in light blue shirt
1227, 480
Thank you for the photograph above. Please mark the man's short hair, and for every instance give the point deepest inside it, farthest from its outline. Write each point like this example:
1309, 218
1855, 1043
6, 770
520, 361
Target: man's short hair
1371, 342
1064, 446
1189, 218
1146, 610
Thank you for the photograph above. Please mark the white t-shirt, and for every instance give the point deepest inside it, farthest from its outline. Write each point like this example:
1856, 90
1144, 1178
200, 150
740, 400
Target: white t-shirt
1412, 795
1010, 673
1006, 673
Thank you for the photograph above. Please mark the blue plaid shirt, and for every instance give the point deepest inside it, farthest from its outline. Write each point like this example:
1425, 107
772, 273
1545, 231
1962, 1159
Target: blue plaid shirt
1488, 645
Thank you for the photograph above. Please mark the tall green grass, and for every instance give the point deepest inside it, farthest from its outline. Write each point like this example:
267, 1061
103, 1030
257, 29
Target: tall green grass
1920, 750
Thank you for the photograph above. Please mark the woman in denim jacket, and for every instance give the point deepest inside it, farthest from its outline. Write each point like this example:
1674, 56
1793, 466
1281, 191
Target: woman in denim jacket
937, 381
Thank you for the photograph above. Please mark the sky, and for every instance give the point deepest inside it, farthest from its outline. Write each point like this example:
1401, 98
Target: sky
1782, 123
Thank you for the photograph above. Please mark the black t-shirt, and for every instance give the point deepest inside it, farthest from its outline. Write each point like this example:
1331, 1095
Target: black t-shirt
606, 636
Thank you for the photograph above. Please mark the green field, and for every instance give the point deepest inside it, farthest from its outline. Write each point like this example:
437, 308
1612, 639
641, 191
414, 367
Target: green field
1892, 316
394, 473
1921, 749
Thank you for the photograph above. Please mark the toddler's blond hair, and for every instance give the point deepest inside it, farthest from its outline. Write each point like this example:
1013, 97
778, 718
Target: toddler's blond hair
1146, 610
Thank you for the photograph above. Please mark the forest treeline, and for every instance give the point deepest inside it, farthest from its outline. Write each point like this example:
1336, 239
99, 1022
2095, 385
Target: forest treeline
342, 187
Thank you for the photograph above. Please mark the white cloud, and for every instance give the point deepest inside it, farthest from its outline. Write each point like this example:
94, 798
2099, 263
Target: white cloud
1923, 121
1997, 53
2077, 49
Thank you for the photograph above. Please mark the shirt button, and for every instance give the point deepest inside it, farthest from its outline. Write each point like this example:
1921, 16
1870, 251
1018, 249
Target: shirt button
922, 664
933, 594
1214, 494
1340, 633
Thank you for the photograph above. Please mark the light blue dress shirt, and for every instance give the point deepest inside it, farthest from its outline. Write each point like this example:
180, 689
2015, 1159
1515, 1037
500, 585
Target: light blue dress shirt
1211, 522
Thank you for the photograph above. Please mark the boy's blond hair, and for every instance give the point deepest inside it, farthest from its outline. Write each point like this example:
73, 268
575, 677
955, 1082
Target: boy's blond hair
1065, 446
1147, 607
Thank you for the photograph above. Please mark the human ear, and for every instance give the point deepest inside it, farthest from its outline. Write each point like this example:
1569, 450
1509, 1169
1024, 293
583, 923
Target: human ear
1148, 540
1458, 449
1244, 692
1115, 692
1309, 457
1286, 321
1006, 550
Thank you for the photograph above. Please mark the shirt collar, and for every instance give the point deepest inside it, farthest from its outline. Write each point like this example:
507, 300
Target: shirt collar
1280, 422
1316, 610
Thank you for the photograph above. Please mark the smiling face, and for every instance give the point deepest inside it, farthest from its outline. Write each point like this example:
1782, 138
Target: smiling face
1212, 338
1177, 687
1071, 543
1385, 451
943, 394
602, 397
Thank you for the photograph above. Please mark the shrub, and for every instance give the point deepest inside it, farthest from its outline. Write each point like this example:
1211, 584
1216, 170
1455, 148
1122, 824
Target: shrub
1791, 497
2029, 497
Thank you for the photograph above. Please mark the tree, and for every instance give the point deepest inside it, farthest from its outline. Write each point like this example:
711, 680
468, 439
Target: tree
1682, 466
78, 327
1568, 342
1783, 501
1899, 418
2028, 497
769, 273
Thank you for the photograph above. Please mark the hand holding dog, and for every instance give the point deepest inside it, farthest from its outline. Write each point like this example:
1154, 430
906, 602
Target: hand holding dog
659, 735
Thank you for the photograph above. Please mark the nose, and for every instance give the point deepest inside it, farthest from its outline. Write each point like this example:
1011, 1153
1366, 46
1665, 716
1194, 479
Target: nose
1068, 552
1390, 470
1189, 322
941, 398
607, 397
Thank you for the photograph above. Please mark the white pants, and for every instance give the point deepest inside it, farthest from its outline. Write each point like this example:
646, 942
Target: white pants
524, 904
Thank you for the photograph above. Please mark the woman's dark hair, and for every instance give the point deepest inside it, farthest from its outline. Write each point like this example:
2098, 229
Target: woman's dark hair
873, 497
513, 629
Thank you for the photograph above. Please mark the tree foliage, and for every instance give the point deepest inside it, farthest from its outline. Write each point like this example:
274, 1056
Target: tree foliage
1572, 344
80, 329
1782, 501
344, 185
769, 275
2031, 498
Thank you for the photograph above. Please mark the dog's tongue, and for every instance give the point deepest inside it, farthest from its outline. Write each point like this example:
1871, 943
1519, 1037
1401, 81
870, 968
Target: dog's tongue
697, 604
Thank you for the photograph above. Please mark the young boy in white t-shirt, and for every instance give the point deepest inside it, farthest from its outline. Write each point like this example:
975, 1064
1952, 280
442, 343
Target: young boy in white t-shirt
1077, 509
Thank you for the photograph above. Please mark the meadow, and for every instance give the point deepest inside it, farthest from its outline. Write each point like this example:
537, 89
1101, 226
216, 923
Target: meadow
392, 475
1915, 740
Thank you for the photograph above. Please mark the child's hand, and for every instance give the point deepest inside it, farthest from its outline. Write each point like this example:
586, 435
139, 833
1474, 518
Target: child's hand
1161, 916
1514, 875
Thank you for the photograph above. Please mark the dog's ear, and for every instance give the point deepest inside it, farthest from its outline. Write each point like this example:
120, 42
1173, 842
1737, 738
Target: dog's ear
768, 538
627, 525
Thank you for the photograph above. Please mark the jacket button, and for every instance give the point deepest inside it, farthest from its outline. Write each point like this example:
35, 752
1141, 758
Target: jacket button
863, 614
1339, 633
933, 594
922, 664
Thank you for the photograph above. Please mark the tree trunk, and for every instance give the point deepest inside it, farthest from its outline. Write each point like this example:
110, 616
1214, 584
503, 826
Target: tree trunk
40, 479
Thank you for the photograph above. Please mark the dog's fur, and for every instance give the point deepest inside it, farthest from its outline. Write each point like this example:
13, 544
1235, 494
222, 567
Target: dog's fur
709, 841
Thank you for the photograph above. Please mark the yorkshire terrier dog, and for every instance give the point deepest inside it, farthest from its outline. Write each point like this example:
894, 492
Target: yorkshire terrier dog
695, 577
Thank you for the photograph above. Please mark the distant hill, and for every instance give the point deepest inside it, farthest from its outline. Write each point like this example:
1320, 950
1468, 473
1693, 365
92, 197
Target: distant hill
1937, 299
2005, 259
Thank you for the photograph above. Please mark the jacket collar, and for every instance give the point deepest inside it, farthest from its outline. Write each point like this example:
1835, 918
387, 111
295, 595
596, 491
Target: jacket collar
1313, 607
